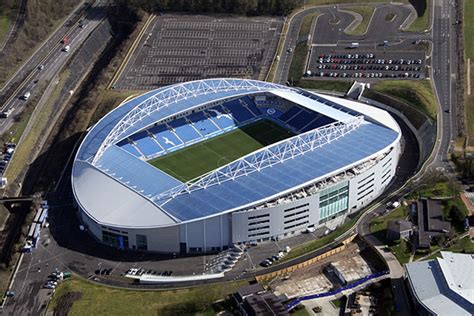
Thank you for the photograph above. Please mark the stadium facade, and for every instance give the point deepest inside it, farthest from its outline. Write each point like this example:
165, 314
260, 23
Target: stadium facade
342, 156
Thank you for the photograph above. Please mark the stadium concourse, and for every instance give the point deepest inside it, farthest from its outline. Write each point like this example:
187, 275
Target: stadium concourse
200, 166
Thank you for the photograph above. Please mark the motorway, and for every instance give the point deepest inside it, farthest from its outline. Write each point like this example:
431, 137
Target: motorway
52, 57
84, 259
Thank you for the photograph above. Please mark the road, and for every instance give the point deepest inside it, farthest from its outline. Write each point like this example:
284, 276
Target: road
330, 27
444, 68
443, 64
30, 299
51, 56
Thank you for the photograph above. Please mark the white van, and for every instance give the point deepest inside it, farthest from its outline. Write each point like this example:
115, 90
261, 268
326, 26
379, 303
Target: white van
26, 96
354, 45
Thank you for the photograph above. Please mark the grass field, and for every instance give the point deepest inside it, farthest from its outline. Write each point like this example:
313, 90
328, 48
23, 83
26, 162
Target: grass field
422, 21
190, 162
378, 227
366, 12
4, 26
469, 52
298, 63
306, 24
417, 93
93, 299
329, 85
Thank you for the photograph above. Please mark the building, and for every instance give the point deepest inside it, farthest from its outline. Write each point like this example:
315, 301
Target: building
351, 269
254, 300
430, 222
398, 229
342, 155
443, 286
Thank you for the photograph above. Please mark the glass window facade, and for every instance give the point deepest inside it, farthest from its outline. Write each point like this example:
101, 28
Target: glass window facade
114, 240
142, 242
333, 201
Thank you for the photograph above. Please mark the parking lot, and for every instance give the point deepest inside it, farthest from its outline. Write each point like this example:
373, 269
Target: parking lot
179, 48
355, 64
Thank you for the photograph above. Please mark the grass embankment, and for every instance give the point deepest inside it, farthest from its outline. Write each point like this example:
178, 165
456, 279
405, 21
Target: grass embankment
320, 242
366, 12
7, 12
378, 227
93, 299
4, 27
423, 14
298, 63
469, 53
418, 93
328, 85
307, 22
439, 188
39, 124
191, 162
42, 17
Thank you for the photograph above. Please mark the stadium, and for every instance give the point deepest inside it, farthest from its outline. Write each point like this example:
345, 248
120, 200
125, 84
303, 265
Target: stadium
200, 166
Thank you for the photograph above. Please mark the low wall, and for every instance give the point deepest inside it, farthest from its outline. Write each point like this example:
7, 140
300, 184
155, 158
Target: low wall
274, 274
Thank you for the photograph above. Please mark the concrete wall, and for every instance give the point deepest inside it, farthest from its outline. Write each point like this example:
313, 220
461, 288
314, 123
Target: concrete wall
368, 185
278, 219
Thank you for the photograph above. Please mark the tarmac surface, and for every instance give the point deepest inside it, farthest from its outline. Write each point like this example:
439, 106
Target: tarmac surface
330, 35
178, 48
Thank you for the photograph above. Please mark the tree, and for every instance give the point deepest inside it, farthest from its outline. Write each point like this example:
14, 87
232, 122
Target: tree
456, 214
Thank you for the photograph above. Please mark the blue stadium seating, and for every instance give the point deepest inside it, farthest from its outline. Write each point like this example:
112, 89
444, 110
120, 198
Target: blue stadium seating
321, 121
165, 137
184, 131
290, 113
302, 119
125, 144
250, 105
202, 123
148, 146
225, 121
240, 113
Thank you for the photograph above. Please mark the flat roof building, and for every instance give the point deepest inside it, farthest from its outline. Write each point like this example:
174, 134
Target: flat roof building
443, 286
399, 228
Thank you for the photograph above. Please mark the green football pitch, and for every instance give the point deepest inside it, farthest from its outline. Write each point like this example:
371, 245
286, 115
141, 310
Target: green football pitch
191, 162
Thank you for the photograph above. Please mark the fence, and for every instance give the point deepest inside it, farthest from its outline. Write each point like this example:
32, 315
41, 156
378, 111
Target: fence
274, 274
293, 304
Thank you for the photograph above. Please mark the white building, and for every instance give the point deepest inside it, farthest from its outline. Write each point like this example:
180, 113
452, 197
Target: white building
343, 156
443, 286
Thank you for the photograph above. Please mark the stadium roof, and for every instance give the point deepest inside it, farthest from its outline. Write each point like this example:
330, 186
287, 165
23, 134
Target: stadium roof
360, 133
444, 286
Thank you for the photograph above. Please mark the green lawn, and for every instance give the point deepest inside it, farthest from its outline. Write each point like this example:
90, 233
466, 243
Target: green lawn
435, 187
298, 63
4, 26
417, 93
306, 24
320, 242
469, 51
366, 13
378, 227
93, 299
379, 224
469, 28
190, 162
329, 85
422, 21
